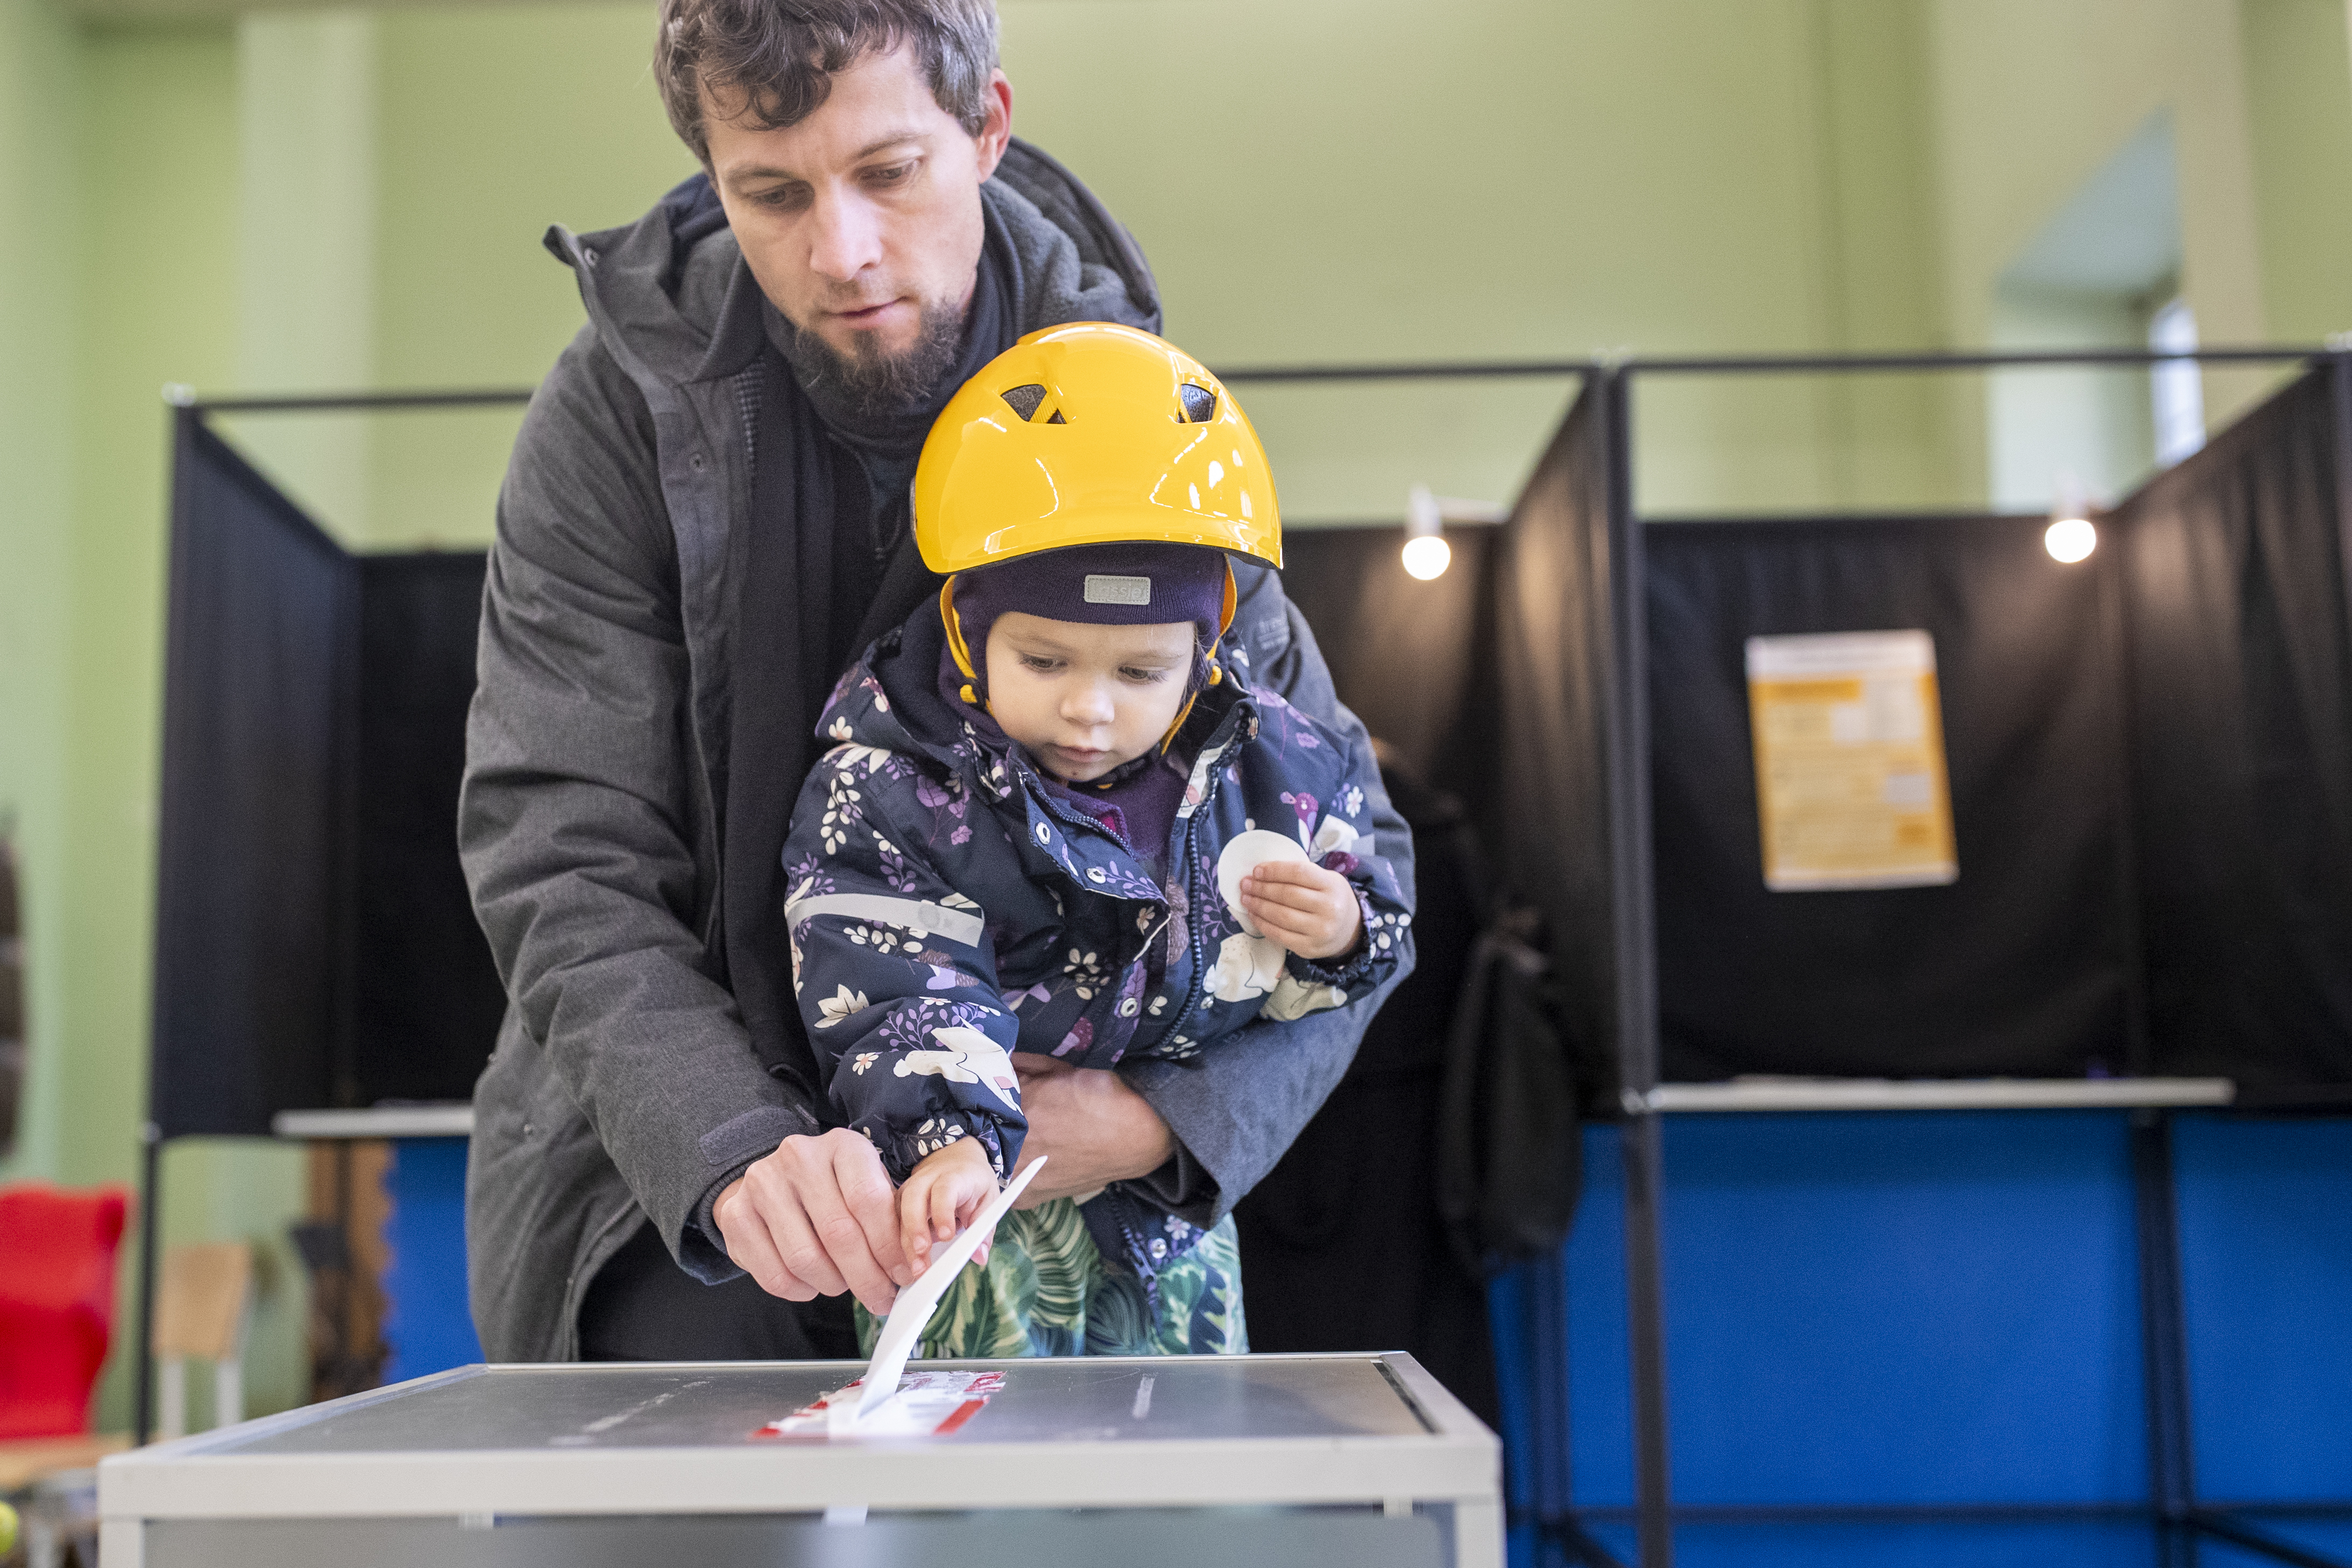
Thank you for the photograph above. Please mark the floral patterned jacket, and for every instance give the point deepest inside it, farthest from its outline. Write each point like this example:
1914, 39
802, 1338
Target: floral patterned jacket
946, 909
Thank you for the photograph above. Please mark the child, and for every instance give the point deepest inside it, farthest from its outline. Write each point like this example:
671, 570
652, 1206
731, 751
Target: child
1044, 829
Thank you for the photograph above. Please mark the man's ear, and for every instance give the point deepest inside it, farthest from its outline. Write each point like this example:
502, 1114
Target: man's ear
998, 130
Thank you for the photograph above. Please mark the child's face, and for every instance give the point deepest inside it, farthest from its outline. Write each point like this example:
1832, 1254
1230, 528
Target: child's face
1084, 699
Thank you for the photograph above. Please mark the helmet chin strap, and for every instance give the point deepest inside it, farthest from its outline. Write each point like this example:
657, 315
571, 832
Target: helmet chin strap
962, 653
1216, 671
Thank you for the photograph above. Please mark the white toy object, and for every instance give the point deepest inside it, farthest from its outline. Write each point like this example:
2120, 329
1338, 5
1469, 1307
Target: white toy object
1244, 854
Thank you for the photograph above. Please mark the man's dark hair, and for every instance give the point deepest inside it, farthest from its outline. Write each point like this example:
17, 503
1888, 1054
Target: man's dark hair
777, 58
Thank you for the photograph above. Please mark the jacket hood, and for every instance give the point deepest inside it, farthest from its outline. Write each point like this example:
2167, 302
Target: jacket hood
674, 302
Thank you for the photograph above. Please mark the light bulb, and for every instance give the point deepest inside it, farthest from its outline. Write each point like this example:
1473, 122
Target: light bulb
2070, 539
1427, 556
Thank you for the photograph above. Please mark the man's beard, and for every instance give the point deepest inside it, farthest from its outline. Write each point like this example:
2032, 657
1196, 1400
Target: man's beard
872, 380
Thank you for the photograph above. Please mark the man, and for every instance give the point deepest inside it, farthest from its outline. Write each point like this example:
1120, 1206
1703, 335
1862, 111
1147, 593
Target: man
704, 521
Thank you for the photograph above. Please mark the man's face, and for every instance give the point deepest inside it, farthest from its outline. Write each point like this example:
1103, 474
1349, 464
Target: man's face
862, 222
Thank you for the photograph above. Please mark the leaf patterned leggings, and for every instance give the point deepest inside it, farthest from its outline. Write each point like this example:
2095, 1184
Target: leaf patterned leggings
1045, 1291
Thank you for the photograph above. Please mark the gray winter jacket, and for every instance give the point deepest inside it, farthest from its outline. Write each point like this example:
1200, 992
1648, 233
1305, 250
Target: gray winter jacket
625, 1085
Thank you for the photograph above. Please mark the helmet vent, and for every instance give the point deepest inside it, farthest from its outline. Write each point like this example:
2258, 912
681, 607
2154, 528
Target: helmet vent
1024, 400
1200, 403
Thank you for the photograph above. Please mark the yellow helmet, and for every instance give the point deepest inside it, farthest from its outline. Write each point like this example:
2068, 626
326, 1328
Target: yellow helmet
1091, 434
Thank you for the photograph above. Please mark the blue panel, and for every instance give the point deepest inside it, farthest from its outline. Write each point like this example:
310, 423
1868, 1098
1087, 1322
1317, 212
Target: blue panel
2266, 1249
2090, 1544
2329, 1537
1903, 1308
1511, 1317
1869, 1308
426, 1319
1599, 1388
1620, 1540
1944, 1307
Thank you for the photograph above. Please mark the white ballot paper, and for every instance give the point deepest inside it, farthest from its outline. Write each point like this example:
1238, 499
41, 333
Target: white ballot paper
913, 1310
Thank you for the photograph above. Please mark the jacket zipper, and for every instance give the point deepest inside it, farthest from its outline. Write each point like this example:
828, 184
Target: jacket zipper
1192, 936
1193, 987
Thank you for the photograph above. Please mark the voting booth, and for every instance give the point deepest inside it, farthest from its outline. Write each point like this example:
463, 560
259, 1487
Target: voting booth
1846, 823
1939, 926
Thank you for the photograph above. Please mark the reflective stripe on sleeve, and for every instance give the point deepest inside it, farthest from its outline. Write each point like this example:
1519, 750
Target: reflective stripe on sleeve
919, 916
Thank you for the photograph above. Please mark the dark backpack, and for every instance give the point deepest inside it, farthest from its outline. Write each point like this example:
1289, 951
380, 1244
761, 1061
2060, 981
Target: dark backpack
1509, 1147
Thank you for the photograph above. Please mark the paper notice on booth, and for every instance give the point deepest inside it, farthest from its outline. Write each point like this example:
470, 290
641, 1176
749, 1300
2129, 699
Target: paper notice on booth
1851, 787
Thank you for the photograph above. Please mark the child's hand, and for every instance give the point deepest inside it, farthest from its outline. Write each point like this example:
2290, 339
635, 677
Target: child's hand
1309, 910
941, 1194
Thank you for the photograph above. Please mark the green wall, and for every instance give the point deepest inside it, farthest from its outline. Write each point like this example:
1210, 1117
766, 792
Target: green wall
38, 76
1350, 180
2299, 102
1538, 181
495, 124
315, 199
38, 69
2032, 97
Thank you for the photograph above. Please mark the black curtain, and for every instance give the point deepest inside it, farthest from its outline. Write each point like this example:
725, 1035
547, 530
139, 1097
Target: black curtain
428, 1000
2021, 966
1402, 652
2240, 693
2150, 757
252, 975
1542, 722
314, 943
1492, 687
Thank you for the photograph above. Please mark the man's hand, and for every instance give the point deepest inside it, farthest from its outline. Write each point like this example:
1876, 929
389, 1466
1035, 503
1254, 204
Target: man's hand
1311, 911
943, 1193
818, 1218
1098, 1129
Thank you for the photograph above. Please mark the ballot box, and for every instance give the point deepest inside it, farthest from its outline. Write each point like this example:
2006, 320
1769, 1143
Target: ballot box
1361, 1461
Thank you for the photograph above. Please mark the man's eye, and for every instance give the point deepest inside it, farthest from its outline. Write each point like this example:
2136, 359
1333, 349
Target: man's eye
782, 199
895, 174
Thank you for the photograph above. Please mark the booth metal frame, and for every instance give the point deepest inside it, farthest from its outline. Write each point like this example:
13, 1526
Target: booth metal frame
2174, 1510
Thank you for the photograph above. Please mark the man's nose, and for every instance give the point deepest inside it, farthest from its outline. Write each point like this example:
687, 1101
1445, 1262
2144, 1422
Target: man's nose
846, 237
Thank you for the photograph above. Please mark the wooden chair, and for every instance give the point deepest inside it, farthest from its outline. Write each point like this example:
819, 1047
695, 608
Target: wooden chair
203, 1307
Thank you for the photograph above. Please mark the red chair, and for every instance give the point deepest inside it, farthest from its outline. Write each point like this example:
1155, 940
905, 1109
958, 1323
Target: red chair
57, 1303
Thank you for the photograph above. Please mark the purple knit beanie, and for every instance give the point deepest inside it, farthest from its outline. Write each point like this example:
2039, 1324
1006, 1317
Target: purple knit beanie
1125, 584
